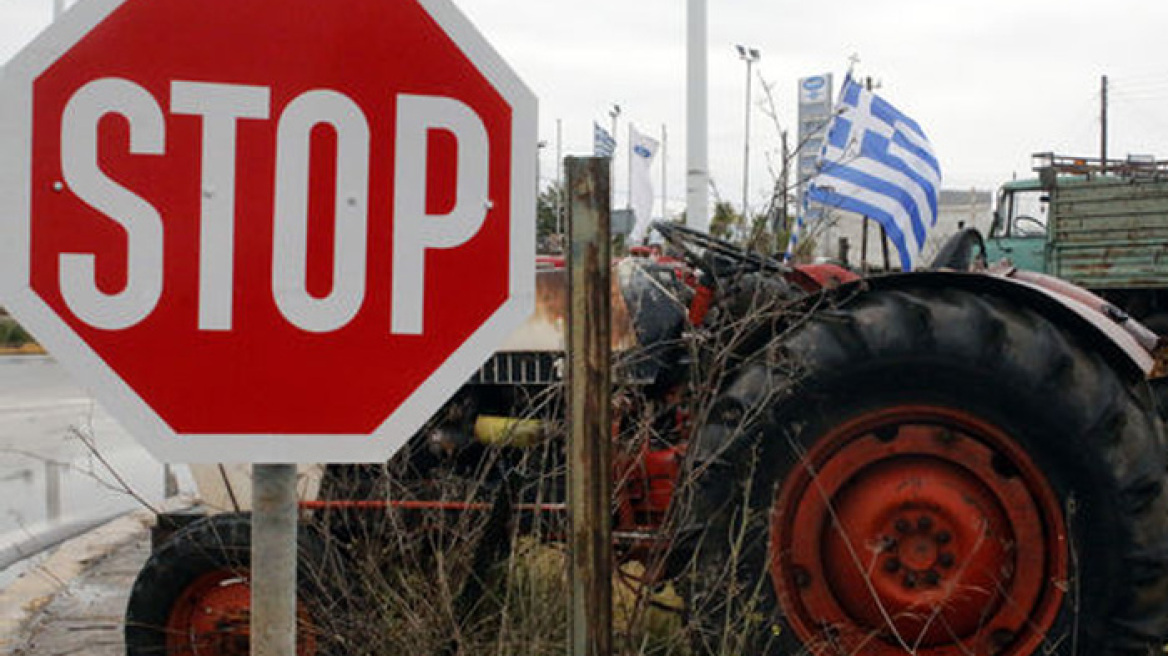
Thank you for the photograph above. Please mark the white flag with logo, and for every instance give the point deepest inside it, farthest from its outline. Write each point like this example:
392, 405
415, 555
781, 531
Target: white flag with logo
643, 149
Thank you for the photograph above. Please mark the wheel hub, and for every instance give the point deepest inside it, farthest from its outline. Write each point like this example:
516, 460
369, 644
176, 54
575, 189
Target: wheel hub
919, 530
212, 617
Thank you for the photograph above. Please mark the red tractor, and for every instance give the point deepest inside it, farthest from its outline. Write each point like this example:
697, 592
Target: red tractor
941, 463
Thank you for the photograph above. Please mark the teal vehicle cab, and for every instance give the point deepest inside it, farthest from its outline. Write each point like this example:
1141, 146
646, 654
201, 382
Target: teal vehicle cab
1101, 224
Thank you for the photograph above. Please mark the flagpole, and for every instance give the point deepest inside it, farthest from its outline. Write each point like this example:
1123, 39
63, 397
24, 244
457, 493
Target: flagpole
613, 113
664, 166
629, 203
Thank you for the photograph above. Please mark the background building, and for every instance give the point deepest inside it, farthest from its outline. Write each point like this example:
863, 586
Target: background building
838, 235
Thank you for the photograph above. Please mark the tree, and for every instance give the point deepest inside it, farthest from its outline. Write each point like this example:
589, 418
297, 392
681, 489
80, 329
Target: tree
726, 222
547, 223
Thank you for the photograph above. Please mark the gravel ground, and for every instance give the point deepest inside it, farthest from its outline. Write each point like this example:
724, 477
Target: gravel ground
73, 601
85, 617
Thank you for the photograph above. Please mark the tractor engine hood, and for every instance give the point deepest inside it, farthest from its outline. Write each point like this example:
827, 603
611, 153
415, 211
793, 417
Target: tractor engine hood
648, 306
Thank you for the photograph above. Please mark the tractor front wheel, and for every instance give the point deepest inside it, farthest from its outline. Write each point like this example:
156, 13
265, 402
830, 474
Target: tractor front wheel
193, 595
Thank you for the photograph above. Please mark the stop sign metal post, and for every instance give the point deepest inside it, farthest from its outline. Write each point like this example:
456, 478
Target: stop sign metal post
241, 224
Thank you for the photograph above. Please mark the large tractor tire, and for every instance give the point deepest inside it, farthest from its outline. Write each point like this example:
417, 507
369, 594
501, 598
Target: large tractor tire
929, 472
192, 597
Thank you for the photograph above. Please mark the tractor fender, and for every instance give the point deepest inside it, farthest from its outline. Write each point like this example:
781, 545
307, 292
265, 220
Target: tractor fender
1068, 312
1094, 329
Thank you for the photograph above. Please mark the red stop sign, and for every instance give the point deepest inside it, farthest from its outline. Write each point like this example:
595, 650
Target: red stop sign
267, 230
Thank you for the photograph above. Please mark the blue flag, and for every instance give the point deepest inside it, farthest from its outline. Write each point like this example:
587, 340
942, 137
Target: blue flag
603, 144
877, 162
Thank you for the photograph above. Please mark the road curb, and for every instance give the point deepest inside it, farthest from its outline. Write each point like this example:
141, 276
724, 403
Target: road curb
20, 600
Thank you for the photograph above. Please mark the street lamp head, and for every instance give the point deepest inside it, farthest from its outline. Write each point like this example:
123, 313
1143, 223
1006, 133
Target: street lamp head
615, 111
749, 55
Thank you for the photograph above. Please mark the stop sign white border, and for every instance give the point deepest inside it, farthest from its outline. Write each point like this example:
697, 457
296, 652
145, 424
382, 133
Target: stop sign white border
16, 115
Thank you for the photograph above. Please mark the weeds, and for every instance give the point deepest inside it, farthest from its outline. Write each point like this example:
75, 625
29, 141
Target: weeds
464, 556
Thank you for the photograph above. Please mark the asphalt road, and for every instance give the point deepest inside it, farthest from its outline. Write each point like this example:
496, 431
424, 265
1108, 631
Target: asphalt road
60, 449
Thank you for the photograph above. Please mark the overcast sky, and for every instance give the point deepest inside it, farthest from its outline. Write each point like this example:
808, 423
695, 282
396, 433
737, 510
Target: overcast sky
990, 81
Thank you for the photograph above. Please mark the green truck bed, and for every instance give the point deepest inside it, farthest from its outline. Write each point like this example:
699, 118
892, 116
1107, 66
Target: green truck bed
1110, 232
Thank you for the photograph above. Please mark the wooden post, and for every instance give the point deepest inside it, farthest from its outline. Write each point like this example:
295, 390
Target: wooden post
589, 406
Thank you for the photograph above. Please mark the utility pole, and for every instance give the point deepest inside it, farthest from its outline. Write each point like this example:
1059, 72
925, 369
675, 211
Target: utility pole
750, 56
1103, 123
697, 176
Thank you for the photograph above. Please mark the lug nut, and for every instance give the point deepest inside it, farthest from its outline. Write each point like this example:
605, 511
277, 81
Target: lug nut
945, 559
801, 575
1000, 639
892, 565
910, 580
932, 577
925, 523
944, 537
902, 525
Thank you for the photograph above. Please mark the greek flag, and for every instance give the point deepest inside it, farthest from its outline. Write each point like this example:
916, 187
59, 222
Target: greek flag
877, 162
603, 144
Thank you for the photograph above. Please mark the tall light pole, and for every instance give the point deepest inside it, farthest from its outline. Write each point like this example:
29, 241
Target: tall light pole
697, 176
750, 56
614, 113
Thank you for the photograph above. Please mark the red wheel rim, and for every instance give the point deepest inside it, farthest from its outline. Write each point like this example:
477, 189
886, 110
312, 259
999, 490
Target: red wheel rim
918, 529
212, 618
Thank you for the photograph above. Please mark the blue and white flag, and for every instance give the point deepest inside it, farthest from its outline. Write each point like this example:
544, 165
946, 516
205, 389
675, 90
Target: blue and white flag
877, 162
603, 143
